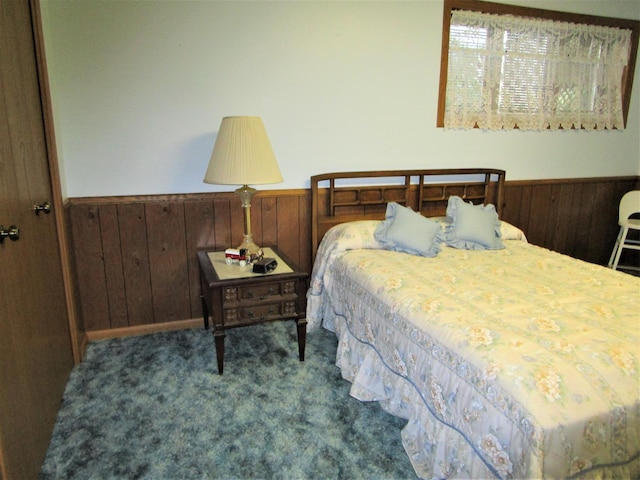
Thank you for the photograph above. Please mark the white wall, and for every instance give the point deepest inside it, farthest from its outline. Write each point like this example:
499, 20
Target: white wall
139, 89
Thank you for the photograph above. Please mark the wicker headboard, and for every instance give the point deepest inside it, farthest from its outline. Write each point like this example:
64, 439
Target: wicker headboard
348, 196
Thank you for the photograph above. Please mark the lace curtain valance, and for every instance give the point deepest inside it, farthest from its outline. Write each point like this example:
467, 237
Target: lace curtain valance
509, 72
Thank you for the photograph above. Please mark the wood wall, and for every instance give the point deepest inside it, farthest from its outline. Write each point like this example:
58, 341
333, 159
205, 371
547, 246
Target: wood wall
135, 257
576, 217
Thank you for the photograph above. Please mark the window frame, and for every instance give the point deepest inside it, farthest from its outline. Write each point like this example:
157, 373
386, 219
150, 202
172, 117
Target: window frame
504, 9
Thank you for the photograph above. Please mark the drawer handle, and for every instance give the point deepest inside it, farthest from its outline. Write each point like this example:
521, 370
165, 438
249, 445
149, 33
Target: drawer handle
272, 291
251, 313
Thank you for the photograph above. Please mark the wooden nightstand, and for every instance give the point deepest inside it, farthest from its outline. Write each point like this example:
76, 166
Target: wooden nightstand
237, 297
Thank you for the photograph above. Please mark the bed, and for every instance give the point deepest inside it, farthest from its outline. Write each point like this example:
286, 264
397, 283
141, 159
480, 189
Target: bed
507, 362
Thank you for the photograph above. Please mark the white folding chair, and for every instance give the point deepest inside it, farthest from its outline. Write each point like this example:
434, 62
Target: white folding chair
629, 205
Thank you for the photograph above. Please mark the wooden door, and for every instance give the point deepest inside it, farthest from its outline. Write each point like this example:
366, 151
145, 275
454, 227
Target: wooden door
35, 346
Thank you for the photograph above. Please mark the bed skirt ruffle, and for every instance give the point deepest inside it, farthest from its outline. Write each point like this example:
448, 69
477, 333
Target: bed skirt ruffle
436, 450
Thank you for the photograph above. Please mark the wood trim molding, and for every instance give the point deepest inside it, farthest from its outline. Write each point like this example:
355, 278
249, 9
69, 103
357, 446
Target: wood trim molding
178, 197
555, 181
145, 329
54, 172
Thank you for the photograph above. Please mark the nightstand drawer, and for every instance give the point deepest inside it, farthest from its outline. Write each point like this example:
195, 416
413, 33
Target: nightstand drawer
243, 315
259, 292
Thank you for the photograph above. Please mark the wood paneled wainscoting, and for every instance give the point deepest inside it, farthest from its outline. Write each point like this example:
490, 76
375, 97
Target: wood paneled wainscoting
577, 217
135, 257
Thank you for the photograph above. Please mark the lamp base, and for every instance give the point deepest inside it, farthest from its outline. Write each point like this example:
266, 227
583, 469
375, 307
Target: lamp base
249, 245
245, 192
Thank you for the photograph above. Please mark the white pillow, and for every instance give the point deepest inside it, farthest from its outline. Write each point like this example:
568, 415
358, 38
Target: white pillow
473, 227
407, 231
508, 231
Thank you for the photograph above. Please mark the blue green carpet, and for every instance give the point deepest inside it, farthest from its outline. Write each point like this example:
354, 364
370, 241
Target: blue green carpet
154, 407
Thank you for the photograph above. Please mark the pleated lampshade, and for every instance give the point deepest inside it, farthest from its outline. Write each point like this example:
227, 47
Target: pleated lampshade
242, 154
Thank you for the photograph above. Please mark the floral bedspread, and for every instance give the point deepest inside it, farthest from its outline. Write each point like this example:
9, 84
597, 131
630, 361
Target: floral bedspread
514, 363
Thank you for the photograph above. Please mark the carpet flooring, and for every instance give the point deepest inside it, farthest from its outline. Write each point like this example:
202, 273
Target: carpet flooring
154, 407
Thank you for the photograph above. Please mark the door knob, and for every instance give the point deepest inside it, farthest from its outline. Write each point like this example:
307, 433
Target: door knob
13, 233
42, 207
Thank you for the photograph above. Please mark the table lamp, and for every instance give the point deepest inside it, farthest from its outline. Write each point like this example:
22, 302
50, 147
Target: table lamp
242, 155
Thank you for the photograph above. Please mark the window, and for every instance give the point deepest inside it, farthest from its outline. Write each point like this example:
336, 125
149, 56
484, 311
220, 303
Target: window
506, 67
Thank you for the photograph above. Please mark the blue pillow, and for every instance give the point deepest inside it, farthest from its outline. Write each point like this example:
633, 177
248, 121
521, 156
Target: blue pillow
473, 227
404, 230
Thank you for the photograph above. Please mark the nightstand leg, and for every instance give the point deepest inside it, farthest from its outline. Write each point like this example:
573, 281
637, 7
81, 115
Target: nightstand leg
302, 336
219, 341
205, 312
